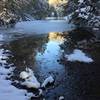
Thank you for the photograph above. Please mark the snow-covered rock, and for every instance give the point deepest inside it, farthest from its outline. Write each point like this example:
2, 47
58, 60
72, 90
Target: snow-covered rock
78, 55
61, 98
30, 80
50, 80
24, 75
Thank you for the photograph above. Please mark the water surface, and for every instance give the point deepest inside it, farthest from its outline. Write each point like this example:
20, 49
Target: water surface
41, 46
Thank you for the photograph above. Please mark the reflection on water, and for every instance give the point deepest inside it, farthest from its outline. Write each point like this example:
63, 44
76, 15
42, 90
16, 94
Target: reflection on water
24, 50
48, 60
31, 49
41, 53
57, 37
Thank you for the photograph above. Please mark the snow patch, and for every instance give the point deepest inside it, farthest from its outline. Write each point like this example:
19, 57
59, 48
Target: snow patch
78, 55
47, 80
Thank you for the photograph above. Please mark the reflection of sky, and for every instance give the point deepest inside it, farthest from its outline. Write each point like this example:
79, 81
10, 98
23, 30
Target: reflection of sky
52, 53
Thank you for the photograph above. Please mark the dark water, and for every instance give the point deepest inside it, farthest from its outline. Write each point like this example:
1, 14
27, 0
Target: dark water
44, 53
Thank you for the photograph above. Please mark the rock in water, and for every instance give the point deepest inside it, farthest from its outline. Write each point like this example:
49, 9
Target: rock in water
24, 75
61, 98
30, 80
47, 81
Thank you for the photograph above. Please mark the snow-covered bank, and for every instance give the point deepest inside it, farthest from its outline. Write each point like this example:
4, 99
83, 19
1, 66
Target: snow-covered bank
11, 92
8, 91
78, 55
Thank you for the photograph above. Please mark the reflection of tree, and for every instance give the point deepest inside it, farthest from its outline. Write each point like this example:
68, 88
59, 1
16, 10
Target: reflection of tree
77, 38
24, 50
56, 36
67, 45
